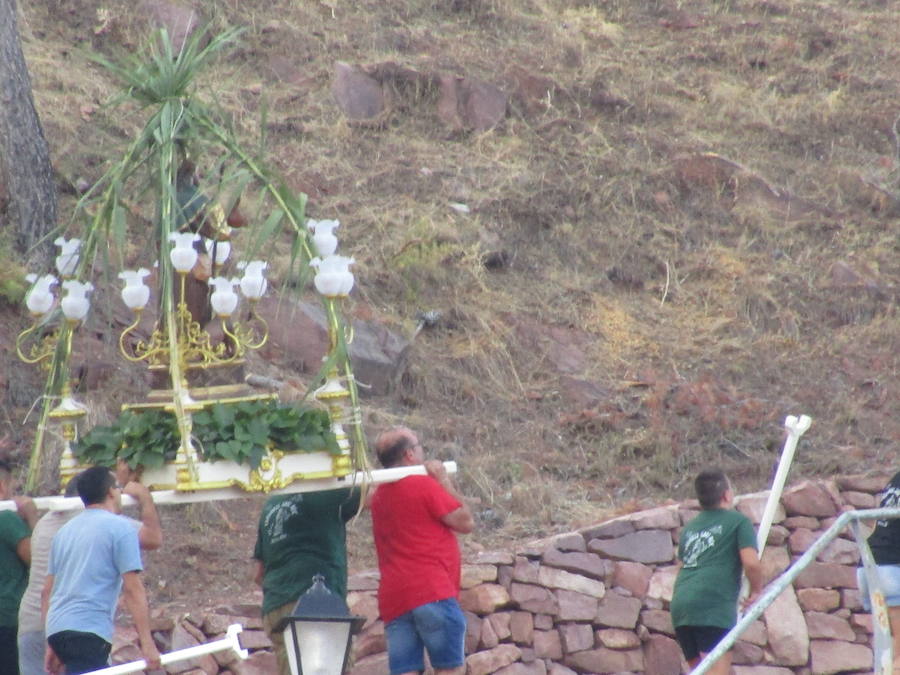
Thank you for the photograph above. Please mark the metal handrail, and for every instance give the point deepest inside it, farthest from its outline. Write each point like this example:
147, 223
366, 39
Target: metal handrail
881, 625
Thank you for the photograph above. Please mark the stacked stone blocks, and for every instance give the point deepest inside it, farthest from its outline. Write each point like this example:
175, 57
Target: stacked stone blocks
597, 601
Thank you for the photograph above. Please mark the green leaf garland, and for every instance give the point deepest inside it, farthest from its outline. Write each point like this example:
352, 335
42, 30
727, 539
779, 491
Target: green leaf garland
239, 432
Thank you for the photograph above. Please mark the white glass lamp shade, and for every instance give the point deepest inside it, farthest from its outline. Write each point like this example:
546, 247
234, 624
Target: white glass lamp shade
320, 644
39, 299
328, 285
253, 283
222, 250
67, 260
183, 254
75, 304
135, 294
323, 236
347, 283
317, 632
333, 277
223, 299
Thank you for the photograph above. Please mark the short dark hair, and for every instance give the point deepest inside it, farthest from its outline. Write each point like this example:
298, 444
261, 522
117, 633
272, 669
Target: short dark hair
5, 469
392, 454
94, 484
72, 486
710, 486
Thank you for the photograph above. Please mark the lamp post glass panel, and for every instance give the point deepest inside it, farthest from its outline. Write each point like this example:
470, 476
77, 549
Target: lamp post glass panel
317, 632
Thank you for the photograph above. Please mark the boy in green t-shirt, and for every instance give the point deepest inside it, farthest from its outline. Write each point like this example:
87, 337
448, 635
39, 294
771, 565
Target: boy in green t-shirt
712, 550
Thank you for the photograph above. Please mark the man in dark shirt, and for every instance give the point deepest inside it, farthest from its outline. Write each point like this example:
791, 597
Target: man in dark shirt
885, 545
300, 536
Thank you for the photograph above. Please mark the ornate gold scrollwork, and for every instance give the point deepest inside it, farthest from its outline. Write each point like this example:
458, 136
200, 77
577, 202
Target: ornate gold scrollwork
268, 476
37, 351
251, 334
195, 345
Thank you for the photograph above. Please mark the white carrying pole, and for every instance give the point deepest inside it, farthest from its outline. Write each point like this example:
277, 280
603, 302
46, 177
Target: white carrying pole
230, 641
796, 427
182, 497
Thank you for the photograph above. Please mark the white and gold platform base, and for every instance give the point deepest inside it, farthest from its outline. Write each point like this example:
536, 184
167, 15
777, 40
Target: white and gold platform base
224, 493
277, 470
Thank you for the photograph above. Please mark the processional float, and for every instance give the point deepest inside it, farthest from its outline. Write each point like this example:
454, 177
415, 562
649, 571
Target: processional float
200, 432
185, 436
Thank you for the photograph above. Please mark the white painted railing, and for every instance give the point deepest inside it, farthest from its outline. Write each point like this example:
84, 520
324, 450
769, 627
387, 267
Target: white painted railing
230, 641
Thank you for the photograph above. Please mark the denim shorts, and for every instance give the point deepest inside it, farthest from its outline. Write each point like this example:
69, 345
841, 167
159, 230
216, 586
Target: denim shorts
438, 627
889, 576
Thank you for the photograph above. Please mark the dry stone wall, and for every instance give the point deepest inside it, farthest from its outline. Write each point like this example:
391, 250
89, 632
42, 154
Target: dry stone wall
597, 601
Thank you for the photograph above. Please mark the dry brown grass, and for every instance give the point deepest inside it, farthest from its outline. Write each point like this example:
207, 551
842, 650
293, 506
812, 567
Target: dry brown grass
707, 315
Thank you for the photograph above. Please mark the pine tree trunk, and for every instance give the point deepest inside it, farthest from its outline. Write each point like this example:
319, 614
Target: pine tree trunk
24, 154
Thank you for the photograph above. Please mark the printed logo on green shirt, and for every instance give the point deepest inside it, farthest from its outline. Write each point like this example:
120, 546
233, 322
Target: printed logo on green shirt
698, 542
276, 518
889, 500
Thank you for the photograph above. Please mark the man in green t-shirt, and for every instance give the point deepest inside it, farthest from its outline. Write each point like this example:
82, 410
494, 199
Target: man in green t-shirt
15, 556
712, 549
299, 536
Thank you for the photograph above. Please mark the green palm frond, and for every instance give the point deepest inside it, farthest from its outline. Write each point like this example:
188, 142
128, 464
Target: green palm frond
159, 73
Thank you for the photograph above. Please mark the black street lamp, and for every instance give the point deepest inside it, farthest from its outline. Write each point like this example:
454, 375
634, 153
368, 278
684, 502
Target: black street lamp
317, 632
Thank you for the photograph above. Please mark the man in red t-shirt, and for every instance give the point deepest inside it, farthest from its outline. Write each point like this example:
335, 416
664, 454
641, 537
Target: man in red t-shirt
414, 521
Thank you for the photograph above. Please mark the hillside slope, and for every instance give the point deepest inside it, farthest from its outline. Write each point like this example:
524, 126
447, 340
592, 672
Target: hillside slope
683, 230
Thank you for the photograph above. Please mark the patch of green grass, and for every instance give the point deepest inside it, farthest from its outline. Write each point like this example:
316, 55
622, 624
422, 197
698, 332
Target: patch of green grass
13, 285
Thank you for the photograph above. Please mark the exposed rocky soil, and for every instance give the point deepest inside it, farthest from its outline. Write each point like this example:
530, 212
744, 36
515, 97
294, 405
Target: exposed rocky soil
679, 227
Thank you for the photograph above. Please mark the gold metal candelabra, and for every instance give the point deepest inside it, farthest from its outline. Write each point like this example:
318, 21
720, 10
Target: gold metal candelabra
194, 344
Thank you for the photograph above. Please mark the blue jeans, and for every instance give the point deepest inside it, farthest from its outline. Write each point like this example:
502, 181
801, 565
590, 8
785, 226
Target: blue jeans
889, 576
439, 627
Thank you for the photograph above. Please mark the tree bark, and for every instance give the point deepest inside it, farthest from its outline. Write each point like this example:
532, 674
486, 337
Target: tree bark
24, 154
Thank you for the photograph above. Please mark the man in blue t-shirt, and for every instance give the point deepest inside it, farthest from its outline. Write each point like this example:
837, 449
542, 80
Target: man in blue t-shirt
93, 557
